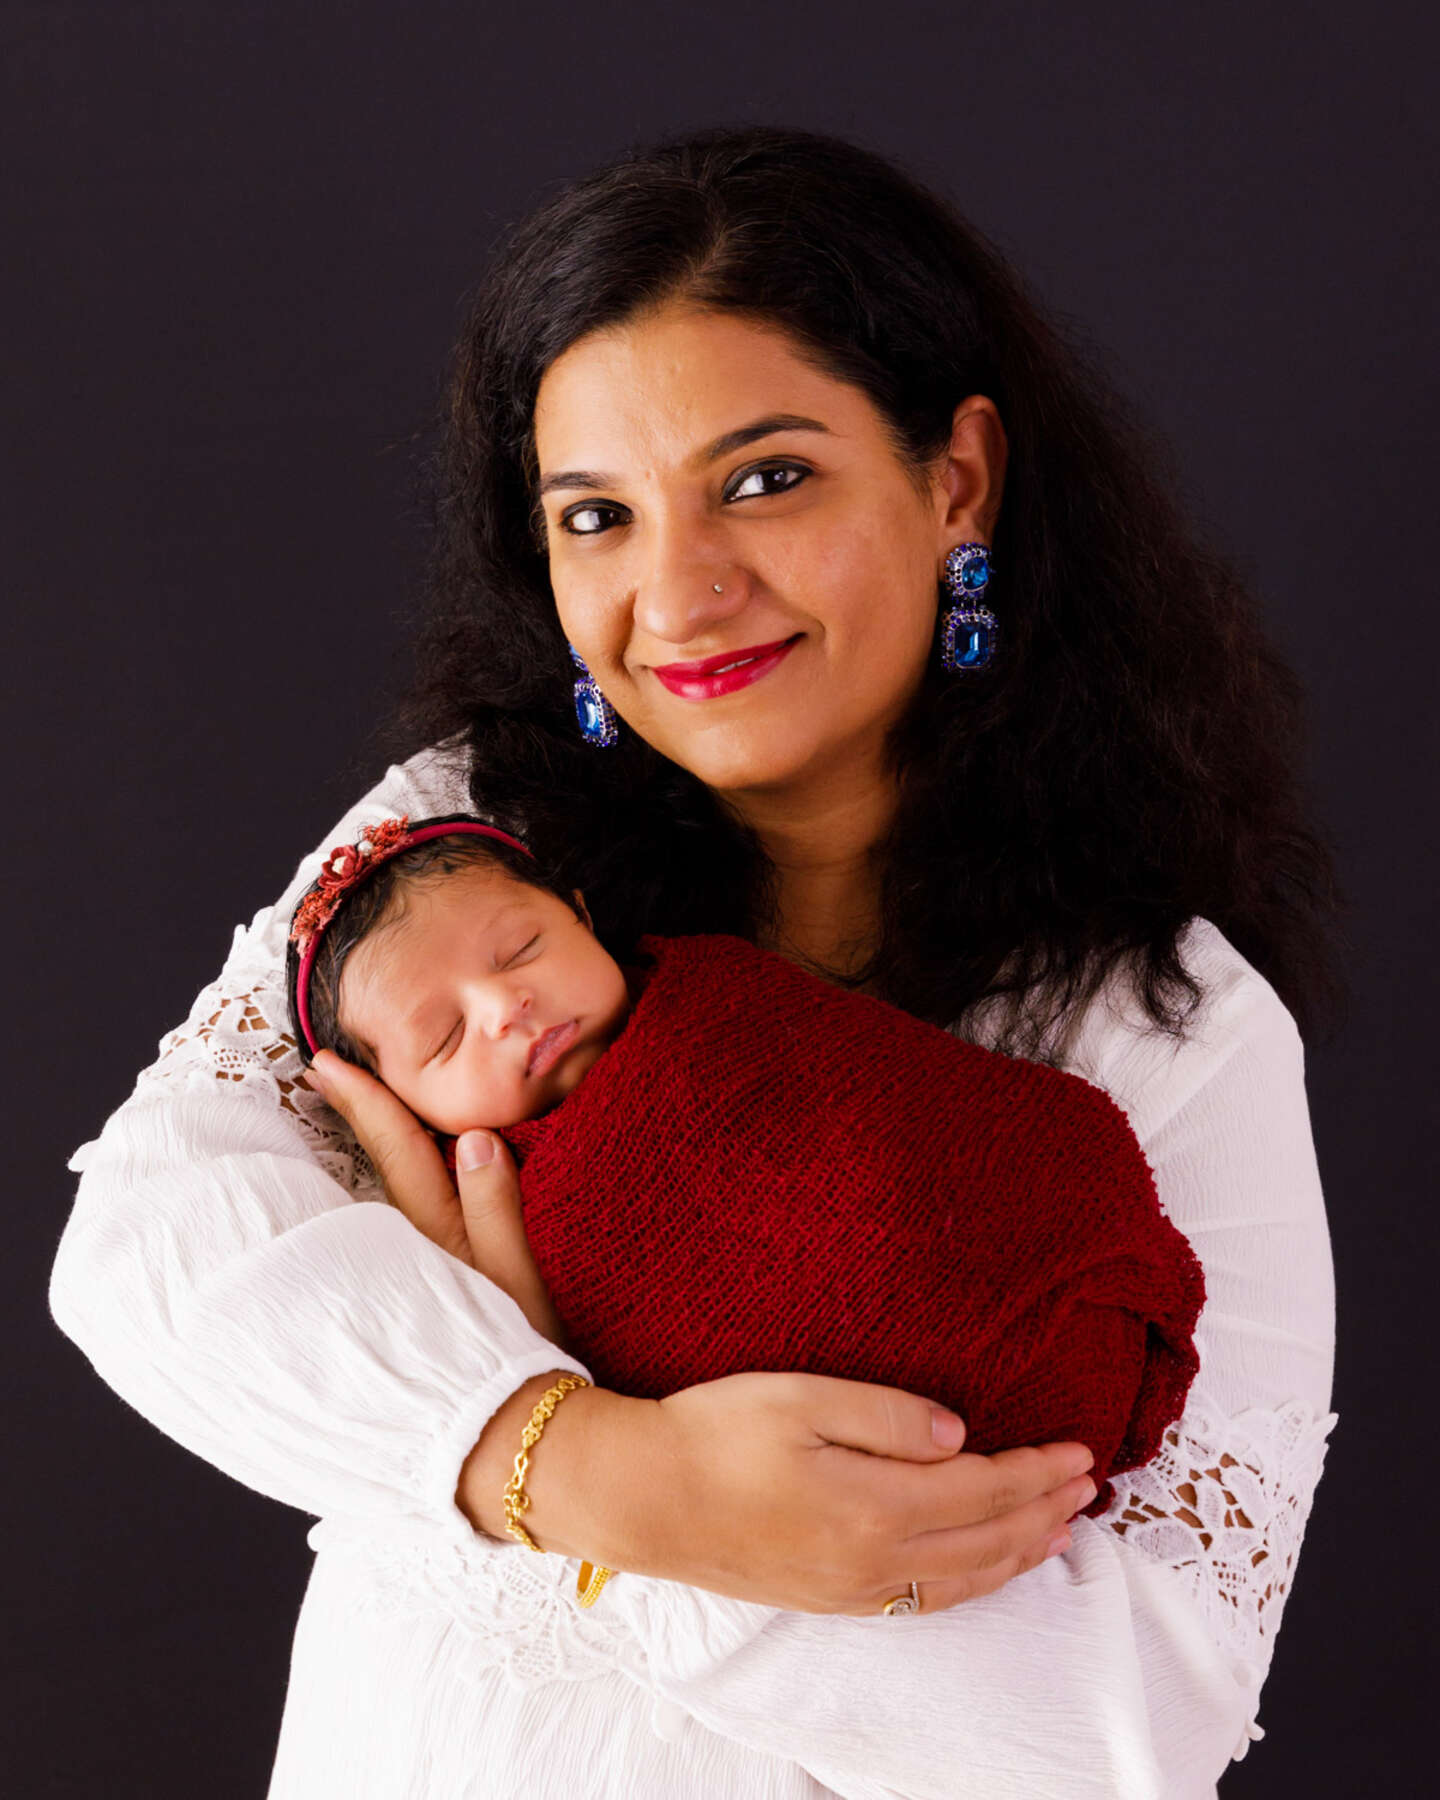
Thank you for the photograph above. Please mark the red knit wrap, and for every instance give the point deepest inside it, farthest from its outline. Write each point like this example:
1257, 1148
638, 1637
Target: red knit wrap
765, 1171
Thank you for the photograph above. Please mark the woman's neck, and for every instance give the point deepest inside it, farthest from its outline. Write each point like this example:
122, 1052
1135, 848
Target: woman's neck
827, 912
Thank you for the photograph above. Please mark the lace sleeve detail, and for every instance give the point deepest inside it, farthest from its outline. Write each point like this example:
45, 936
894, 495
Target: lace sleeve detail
238, 1035
1225, 1504
517, 1610
237, 1038
1225, 1125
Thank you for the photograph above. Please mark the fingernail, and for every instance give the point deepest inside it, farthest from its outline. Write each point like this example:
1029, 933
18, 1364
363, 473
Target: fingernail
1059, 1544
474, 1150
1087, 1494
315, 1078
947, 1429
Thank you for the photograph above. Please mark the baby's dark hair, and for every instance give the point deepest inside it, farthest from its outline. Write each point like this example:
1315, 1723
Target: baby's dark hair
375, 900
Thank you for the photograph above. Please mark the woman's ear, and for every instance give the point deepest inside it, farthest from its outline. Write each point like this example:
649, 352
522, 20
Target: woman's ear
972, 472
582, 909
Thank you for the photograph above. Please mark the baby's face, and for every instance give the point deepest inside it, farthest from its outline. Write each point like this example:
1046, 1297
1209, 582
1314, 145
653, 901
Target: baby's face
484, 1001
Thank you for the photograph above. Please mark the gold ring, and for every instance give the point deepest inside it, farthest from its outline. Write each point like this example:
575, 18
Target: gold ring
905, 1603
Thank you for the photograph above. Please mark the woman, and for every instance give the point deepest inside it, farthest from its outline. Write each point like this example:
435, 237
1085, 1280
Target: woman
734, 402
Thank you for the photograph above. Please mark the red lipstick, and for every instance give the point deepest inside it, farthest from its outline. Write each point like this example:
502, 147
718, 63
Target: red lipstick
724, 674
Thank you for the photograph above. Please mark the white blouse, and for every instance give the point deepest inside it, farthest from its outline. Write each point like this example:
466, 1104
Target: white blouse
229, 1272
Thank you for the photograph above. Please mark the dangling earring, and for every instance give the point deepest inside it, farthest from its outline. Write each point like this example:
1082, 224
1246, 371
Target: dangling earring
592, 709
970, 633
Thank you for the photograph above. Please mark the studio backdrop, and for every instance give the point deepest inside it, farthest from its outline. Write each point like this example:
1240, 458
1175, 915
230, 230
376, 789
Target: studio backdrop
239, 240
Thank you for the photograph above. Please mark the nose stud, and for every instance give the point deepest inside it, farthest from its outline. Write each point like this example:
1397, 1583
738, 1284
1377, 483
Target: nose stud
718, 588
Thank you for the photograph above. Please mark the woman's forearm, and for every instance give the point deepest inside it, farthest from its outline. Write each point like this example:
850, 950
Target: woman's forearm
581, 1501
584, 1498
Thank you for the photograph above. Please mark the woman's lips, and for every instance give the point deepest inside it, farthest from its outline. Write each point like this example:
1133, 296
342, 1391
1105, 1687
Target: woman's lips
551, 1045
710, 679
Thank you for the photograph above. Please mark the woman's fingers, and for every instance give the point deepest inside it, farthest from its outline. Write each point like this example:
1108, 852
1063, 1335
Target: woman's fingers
994, 1564
940, 1594
1004, 1497
967, 1560
406, 1157
481, 1224
888, 1422
771, 1496
495, 1227
965, 1526
885, 1421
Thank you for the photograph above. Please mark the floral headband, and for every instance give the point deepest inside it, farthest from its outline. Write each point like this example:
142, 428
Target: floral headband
345, 869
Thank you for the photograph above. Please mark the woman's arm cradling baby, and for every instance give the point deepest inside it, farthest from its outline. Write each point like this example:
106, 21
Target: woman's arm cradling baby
833, 1478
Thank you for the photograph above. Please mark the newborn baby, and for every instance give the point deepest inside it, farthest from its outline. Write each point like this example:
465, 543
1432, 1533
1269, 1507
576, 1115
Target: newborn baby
478, 995
728, 1164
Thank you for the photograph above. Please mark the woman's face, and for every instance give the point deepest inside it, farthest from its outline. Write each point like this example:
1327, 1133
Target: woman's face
686, 452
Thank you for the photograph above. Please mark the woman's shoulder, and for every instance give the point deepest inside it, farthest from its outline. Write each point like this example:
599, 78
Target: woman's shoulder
1152, 1074
235, 1039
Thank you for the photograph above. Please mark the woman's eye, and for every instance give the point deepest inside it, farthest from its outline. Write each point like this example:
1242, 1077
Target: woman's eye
770, 478
521, 951
589, 520
591, 517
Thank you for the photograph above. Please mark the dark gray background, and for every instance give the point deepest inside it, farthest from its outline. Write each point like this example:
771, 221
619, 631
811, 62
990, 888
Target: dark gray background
235, 242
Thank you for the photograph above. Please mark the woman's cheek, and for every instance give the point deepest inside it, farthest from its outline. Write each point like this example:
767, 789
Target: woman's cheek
593, 614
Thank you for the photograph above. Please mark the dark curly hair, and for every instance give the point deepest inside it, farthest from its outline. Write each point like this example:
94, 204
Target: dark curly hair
1129, 760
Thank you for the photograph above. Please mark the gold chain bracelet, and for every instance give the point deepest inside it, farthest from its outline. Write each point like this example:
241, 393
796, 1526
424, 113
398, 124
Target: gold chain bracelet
517, 1501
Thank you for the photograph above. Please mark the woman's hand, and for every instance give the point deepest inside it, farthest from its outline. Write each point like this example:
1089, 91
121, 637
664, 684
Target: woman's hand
821, 1495
481, 1223
800, 1491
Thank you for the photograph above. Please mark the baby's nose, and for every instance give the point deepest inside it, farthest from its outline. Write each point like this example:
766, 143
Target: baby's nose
508, 1009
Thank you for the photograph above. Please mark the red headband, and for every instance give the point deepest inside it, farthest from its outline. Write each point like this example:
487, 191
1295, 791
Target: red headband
346, 868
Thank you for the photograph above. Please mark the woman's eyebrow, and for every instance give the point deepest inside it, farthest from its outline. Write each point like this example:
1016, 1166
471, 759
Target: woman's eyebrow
747, 434
720, 446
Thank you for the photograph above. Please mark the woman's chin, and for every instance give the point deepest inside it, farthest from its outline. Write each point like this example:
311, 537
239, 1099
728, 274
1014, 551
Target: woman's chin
737, 763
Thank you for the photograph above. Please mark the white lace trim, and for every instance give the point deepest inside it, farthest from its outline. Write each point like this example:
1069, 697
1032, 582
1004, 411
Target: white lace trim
519, 1610
237, 1033
1225, 1504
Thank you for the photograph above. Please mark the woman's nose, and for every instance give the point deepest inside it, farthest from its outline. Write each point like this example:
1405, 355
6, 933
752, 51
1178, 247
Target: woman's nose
687, 585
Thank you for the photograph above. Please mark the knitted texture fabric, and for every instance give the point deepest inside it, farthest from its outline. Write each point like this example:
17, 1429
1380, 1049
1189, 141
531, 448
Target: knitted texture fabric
765, 1171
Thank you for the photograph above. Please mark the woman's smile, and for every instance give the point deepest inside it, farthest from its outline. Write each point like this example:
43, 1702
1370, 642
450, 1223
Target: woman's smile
726, 673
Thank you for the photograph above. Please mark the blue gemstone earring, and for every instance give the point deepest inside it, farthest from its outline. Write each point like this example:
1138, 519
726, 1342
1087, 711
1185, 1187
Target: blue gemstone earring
970, 630
592, 709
